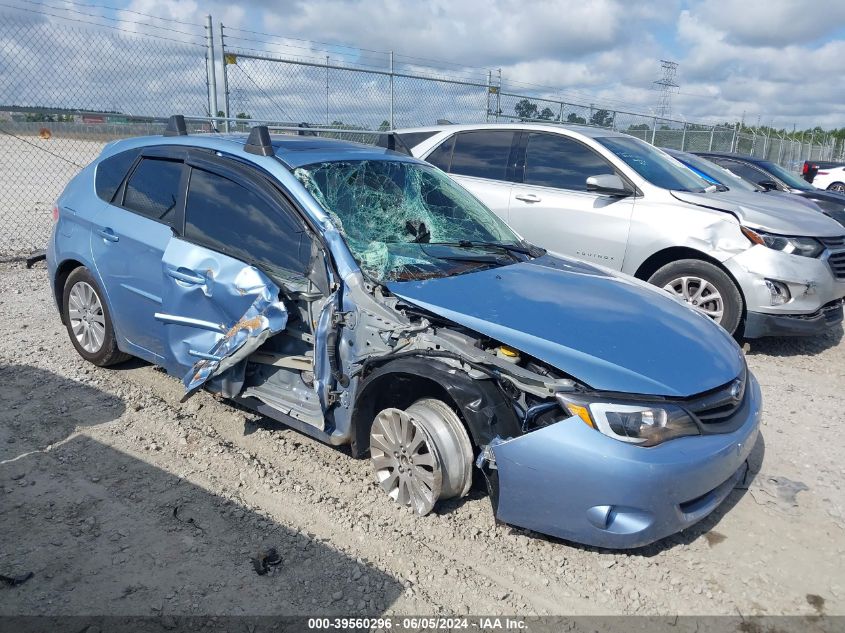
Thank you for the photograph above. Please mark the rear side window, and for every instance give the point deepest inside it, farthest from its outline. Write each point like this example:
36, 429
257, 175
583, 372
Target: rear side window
743, 170
483, 154
412, 139
442, 156
111, 172
153, 188
552, 160
227, 217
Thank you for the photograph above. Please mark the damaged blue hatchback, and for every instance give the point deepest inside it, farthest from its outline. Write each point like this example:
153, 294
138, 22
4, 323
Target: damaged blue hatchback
364, 298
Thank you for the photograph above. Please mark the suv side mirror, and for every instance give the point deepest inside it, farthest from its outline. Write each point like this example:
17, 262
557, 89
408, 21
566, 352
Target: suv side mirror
768, 185
609, 185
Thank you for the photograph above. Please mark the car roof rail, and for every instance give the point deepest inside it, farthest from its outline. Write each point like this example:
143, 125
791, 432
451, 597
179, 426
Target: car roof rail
258, 142
176, 126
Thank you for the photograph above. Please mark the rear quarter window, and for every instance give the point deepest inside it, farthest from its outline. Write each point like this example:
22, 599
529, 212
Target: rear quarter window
412, 139
111, 172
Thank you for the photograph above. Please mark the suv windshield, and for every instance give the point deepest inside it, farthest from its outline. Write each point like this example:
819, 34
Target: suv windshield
653, 165
791, 180
713, 171
404, 220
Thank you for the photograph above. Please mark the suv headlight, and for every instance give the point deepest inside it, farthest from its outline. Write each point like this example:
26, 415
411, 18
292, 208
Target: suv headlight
804, 246
646, 424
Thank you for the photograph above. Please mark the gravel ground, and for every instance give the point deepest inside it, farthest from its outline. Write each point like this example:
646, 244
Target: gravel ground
123, 501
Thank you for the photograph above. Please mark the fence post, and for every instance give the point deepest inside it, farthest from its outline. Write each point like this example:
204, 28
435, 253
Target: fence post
734, 143
684, 137
327, 91
392, 126
489, 85
499, 97
225, 78
712, 130
653, 126
212, 71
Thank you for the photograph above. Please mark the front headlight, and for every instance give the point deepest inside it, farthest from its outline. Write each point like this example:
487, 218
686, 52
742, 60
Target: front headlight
642, 424
804, 246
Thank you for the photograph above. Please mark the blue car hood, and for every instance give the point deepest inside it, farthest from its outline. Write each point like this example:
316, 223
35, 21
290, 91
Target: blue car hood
611, 332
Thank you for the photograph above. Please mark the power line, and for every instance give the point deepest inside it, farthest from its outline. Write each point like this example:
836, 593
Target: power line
665, 85
104, 26
146, 15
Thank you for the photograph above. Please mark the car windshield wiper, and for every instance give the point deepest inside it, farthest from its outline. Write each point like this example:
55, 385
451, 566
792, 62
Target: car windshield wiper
510, 248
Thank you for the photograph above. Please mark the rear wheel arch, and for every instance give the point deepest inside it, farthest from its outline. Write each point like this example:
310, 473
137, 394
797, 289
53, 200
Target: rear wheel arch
480, 405
63, 271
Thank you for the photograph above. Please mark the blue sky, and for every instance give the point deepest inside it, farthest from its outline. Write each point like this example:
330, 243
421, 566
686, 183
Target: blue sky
775, 61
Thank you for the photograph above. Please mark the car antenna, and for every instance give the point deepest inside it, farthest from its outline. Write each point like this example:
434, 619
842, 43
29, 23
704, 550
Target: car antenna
258, 142
176, 126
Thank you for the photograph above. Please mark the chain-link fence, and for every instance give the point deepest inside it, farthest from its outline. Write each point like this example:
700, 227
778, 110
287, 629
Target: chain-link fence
71, 83
67, 90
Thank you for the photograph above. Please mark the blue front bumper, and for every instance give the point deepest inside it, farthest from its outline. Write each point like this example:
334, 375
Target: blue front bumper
570, 481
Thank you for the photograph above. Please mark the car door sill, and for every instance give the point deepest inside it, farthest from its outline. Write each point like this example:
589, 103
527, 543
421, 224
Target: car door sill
303, 427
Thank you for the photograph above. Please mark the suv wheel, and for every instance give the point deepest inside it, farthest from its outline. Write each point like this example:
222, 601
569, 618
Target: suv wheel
837, 186
88, 320
705, 287
421, 454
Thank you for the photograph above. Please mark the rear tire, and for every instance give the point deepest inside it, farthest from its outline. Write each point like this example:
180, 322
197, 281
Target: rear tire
838, 187
88, 320
705, 287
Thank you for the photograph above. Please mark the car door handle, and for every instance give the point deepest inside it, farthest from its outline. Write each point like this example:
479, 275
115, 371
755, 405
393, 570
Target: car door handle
107, 234
528, 197
186, 276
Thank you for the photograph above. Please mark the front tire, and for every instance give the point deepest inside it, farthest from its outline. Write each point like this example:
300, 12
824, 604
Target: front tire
88, 320
838, 187
421, 455
705, 287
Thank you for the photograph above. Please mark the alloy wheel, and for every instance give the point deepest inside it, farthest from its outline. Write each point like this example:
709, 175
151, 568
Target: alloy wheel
837, 187
407, 466
699, 293
87, 320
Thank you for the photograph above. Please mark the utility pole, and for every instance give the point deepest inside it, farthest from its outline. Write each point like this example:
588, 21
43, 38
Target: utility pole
666, 85
212, 71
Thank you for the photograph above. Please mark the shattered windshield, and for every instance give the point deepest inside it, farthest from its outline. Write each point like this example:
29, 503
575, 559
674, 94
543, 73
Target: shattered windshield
404, 220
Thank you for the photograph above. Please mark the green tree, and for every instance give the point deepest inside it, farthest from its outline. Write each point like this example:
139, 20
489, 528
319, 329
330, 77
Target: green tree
602, 118
526, 110
546, 114
574, 118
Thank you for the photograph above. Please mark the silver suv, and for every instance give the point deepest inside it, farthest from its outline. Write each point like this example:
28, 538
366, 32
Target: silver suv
758, 268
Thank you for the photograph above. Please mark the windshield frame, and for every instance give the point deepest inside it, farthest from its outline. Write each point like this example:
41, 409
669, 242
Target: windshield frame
668, 167
464, 255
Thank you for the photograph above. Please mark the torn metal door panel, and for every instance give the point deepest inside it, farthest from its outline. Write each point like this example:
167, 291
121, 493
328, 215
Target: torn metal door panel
217, 311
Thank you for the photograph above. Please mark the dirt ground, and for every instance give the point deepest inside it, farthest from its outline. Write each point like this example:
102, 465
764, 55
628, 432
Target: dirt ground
123, 501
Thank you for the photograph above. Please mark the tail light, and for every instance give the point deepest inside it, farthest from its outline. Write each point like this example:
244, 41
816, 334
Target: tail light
55, 213
805, 168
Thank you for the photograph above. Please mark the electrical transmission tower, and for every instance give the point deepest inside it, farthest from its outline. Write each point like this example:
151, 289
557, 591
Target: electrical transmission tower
666, 84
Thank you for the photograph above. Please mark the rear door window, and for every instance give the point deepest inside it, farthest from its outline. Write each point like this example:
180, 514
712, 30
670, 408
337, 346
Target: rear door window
112, 171
153, 189
482, 154
228, 217
743, 170
552, 160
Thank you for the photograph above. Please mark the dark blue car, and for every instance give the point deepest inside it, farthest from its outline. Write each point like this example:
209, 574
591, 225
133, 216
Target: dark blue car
362, 297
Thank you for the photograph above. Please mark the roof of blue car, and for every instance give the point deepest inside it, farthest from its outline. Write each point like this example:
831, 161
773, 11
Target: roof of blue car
294, 151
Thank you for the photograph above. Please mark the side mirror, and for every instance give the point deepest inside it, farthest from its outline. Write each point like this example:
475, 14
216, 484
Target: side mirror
609, 185
768, 185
